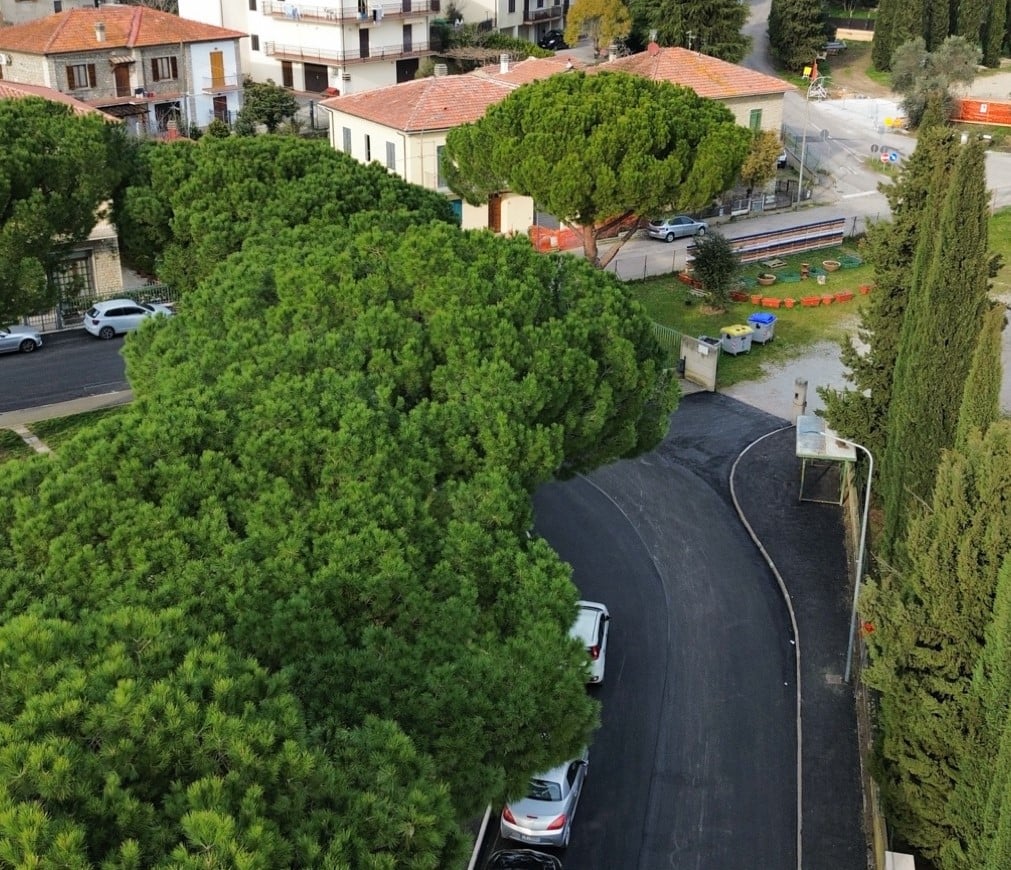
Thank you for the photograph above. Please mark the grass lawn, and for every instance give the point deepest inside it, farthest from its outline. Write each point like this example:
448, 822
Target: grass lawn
669, 302
12, 446
61, 429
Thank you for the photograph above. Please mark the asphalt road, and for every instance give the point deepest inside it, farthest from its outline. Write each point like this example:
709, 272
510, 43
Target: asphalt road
68, 366
695, 762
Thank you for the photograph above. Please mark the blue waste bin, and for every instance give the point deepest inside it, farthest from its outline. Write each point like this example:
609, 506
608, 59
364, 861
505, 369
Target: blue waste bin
763, 325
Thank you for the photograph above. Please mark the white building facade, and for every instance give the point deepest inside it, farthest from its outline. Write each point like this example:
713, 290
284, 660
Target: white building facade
341, 47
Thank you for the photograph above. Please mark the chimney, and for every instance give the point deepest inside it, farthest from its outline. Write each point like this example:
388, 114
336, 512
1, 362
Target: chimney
100, 31
503, 63
441, 69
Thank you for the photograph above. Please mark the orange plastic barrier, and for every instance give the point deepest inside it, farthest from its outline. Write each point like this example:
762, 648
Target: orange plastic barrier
982, 112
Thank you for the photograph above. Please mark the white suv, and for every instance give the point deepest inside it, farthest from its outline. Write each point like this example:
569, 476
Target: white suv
591, 626
113, 317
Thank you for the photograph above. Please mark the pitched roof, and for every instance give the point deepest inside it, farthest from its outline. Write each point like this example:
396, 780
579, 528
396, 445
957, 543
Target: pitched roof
17, 90
436, 103
126, 27
445, 102
707, 76
530, 70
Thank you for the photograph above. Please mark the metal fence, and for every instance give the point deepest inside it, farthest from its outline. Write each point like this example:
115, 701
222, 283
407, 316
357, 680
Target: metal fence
670, 341
69, 313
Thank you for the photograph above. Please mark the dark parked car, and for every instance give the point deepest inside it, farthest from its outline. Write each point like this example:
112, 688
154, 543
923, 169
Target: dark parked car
523, 859
553, 40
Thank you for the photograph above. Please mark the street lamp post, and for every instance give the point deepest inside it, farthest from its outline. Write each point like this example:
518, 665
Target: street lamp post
816, 84
860, 555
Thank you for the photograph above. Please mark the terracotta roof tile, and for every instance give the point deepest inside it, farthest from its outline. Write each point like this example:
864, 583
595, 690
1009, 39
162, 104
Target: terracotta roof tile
707, 76
125, 27
17, 90
530, 70
444, 102
435, 103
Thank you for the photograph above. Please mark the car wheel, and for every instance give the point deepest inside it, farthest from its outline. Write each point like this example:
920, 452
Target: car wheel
106, 332
27, 346
670, 237
702, 231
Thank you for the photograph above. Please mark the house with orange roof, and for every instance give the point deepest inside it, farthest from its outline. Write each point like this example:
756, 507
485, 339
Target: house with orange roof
404, 127
149, 68
93, 268
755, 99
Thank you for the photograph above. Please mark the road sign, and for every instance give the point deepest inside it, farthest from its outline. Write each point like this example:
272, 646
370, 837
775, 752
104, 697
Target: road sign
884, 156
893, 157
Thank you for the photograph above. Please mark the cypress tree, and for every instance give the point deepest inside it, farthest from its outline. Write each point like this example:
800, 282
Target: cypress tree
939, 333
937, 23
928, 641
981, 397
993, 32
796, 32
861, 412
980, 806
970, 17
897, 22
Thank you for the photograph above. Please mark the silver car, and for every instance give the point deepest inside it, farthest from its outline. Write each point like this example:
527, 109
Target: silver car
543, 817
678, 227
19, 339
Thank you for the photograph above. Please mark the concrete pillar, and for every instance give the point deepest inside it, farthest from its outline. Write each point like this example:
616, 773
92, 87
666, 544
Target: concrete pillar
799, 399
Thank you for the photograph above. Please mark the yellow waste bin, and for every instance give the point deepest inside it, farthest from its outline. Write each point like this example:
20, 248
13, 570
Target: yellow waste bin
736, 338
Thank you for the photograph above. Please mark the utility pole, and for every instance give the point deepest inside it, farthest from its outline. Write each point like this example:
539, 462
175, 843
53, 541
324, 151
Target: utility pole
816, 87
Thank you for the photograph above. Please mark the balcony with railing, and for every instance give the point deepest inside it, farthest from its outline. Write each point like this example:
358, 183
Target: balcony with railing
221, 84
358, 11
336, 57
537, 14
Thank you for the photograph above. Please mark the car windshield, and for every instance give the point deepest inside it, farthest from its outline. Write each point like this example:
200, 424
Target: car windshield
542, 790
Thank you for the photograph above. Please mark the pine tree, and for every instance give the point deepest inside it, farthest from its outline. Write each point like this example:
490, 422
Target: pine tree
929, 634
981, 397
939, 333
861, 412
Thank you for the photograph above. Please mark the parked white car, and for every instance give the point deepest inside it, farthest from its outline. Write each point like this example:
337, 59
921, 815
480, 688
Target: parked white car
591, 627
113, 317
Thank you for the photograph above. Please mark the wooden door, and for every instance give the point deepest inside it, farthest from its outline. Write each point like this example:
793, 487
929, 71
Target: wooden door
217, 69
495, 212
121, 72
363, 42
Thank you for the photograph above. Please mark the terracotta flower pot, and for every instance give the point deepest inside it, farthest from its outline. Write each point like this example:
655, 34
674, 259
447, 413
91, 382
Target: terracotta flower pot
831, 265
789, 302
766, 279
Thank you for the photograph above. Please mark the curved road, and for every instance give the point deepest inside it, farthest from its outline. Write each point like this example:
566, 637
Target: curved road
695, 763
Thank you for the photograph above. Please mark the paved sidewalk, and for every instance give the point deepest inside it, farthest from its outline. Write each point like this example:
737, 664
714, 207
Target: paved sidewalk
27, 416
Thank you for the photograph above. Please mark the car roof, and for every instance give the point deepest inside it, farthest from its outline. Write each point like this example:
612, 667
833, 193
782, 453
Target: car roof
587, 617
109, 303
